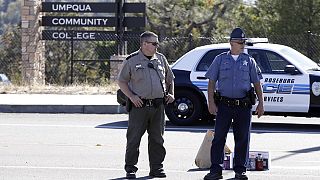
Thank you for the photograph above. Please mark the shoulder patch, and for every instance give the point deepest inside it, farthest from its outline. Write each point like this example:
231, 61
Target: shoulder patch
132, 55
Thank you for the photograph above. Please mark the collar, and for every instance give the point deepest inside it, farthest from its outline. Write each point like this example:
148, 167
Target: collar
154, 57
240, 55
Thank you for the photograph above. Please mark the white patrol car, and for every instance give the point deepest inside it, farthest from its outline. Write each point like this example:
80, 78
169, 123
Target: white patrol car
291, 81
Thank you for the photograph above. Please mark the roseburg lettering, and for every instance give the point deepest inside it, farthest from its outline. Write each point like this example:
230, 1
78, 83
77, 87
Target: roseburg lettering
79, 21
73, 7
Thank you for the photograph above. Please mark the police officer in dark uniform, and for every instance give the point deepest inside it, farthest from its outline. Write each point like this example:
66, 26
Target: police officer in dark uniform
147, 80
233, 73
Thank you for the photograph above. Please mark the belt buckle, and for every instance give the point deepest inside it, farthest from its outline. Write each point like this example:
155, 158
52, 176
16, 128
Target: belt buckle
237, 102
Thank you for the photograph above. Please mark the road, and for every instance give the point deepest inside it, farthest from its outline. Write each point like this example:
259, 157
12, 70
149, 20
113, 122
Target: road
89, 146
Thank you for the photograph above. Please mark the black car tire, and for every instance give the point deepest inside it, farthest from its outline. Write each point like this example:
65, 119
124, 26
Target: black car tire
191, 114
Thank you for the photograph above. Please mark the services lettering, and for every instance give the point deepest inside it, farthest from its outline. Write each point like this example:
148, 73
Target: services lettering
272, 99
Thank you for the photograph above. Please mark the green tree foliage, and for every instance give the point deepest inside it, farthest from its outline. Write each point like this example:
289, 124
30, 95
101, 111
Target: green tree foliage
298, 17
295, 23
9, 13
193, 22
181, 18
10, 53
255, 21
57, 65
274, 17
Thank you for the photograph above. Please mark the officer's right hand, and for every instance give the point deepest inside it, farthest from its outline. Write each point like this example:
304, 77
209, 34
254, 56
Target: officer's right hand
213, 109
136, 101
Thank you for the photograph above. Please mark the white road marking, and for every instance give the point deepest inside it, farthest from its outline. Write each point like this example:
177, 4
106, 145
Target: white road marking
178, 171
204, 129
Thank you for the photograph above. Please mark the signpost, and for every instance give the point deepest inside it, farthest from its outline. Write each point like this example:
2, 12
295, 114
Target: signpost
118, 21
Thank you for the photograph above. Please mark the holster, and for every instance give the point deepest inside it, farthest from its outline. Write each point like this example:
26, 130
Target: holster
128, 105
252, 96
216, 97
123, 100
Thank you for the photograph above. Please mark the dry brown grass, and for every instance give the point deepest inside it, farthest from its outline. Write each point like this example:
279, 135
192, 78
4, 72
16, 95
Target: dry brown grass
51, 89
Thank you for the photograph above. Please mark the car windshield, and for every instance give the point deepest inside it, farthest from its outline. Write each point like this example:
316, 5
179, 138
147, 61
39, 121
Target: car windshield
300, 59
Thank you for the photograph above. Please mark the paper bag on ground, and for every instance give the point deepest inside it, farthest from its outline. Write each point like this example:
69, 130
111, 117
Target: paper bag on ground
203, 158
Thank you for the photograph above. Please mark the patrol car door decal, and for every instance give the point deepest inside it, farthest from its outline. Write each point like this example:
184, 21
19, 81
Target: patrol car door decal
314, 94
283, 92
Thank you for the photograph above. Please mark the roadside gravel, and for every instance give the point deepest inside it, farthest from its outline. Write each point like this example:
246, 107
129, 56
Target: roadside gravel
50, 89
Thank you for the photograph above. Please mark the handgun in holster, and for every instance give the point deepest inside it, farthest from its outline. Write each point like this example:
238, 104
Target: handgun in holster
252, 96
216, 97
128, 105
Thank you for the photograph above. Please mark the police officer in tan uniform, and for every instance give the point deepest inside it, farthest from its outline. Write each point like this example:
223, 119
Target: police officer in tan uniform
147, 80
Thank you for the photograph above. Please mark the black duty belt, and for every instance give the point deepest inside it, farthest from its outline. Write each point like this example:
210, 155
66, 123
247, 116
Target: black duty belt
232, 102
152, 102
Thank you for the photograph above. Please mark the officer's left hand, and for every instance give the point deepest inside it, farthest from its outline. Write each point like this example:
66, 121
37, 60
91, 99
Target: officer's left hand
169, 98
260, 110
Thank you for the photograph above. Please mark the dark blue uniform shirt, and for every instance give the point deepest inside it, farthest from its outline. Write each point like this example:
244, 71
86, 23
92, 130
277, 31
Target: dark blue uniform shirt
234, 77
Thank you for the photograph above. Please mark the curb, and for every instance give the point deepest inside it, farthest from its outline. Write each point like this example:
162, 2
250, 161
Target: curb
57, 103
81, 109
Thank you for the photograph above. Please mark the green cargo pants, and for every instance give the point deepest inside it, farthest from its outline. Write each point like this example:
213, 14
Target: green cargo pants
152, 120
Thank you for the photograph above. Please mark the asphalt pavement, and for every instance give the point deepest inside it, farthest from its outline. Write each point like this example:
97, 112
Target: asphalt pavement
58, 103
96, 104
92, 146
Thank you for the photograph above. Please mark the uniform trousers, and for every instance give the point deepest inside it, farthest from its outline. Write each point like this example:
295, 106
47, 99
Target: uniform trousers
241, 117
152, 120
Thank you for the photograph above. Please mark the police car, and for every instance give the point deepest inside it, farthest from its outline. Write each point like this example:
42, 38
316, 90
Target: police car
291, 81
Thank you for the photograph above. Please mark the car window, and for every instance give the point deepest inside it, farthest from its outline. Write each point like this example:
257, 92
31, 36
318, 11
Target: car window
276, 62
207, 59
261, 59
268, 61
302, 61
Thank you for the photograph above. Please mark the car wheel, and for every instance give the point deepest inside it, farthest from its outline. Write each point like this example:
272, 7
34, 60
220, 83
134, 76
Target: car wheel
186, 109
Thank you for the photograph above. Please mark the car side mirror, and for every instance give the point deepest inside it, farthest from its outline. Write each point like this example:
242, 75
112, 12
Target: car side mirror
290, 69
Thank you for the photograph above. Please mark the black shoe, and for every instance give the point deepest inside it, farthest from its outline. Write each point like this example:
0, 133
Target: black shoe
213, 176
159, 173
241, 176
131, 175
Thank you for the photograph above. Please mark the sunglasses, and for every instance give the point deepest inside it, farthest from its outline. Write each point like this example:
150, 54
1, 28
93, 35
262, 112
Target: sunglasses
241, 42
153, 43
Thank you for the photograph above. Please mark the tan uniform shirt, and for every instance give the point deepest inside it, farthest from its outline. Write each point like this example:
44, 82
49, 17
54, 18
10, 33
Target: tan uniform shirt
146, 82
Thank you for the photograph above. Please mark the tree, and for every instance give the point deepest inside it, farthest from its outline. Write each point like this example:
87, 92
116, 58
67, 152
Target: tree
295, 23
271, 17
300, 16
9, 13
255, 21
10, 53
185, 24
183, 17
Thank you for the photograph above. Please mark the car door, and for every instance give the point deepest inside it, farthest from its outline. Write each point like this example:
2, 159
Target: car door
197, 74
283, 92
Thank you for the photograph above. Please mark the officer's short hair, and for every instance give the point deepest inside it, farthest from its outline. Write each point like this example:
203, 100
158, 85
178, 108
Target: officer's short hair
145, 36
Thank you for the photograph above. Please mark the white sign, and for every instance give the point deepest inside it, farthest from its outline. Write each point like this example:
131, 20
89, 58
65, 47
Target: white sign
71, 7
77, 36
63, 21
